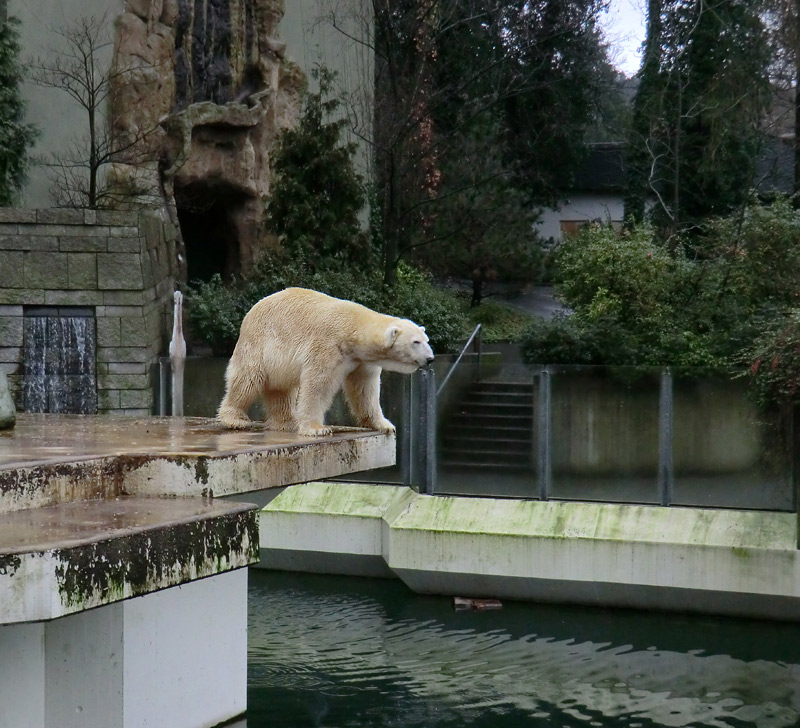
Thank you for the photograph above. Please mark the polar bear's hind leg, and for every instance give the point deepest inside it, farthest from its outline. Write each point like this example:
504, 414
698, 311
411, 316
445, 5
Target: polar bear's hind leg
279, 410
240, 393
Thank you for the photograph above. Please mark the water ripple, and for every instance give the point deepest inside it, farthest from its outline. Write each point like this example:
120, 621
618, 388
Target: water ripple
346, 645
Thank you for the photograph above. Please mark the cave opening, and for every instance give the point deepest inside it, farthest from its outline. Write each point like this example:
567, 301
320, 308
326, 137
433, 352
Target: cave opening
208, 221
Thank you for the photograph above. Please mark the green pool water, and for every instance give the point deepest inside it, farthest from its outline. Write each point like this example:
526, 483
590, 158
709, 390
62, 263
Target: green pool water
341, 652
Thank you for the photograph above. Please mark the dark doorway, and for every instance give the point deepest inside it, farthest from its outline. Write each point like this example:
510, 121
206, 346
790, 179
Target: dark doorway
60, 351
209, 232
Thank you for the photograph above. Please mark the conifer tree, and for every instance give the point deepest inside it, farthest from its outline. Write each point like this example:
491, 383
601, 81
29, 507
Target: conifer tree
15, 135
317, 195
698, 115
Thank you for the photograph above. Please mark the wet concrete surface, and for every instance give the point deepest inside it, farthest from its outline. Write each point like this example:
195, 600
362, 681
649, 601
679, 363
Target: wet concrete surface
49, 460
67, 525
48, 439
98, 508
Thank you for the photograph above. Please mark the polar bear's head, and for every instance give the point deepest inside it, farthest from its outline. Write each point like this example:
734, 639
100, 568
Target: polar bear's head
406, 347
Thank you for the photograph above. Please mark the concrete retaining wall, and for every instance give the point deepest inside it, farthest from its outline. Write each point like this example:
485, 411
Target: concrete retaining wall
742, 563
149, 661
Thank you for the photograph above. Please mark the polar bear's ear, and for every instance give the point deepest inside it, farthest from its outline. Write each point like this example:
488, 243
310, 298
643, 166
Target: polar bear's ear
391, 335
422, 329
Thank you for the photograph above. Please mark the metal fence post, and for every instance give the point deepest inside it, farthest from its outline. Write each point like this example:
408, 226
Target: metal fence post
405, 432
794, 466
164, 378
544, 435
426, 432
665, 415
477, 348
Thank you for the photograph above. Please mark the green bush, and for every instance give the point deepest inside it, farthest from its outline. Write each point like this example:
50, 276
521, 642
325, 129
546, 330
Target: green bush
317, 196
774, 362
637, 301
16, 137
214, 312
416, 297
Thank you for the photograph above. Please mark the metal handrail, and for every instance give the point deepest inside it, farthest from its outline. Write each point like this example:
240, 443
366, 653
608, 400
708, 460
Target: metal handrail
458, 359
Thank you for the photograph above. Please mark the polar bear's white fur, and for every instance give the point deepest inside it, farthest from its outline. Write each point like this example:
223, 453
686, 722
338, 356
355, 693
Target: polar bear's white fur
298, 348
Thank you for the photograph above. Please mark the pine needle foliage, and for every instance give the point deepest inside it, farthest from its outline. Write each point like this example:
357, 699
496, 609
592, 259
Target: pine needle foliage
15, 135
317, 195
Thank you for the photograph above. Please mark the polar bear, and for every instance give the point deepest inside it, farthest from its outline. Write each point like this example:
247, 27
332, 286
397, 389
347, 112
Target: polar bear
298, 348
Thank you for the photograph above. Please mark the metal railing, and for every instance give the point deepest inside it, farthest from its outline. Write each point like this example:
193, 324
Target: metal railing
418, 447
477, 348
587, 421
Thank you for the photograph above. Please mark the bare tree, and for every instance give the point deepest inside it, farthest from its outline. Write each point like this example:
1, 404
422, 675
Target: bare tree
782, 19
81, 66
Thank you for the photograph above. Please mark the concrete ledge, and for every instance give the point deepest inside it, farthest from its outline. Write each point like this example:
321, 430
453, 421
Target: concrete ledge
743, 563
50, 459
67, 558
329, 528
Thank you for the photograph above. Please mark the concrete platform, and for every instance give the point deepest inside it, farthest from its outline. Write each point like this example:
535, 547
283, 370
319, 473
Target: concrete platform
123, 592
89, 513
50, 459
739, 563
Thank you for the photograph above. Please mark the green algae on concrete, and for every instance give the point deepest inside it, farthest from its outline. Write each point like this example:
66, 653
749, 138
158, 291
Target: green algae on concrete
360, 500
742, 563
64, 559
601, 521
330, 528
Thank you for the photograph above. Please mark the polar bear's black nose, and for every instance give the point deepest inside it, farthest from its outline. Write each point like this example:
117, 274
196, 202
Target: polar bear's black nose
430, 359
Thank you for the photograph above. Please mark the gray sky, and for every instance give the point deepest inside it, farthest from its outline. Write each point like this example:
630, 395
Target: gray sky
624, 26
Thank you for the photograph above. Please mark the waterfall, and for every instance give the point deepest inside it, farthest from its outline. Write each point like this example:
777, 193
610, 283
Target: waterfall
59, 370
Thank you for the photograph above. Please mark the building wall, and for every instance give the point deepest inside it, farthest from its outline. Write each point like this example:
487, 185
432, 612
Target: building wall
58, 118
118, 263
312, 39
580, 208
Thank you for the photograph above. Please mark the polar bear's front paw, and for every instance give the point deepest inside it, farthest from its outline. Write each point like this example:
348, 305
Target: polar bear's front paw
314, 431
383, 425
235, 421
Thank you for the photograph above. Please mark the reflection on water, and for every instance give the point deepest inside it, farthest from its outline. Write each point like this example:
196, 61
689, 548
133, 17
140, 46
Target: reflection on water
336, 651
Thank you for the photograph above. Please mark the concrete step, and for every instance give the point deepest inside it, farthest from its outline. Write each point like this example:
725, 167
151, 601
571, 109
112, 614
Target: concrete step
513, 438
492, 386
496, 459
475, 464
478, 406
476, 429
487, 420
485, 395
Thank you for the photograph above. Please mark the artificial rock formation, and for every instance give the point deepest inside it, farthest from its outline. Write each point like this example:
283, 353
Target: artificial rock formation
201, 90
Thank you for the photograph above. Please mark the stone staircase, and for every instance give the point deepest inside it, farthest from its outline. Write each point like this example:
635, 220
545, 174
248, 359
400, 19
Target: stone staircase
491, 427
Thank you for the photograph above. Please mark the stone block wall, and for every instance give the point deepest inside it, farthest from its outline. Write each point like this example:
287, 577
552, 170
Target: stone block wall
120, 264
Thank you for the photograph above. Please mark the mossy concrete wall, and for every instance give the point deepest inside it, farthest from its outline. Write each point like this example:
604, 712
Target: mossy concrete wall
742, 563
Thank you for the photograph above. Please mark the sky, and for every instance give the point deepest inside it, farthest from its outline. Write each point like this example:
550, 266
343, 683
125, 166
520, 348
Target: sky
624, 27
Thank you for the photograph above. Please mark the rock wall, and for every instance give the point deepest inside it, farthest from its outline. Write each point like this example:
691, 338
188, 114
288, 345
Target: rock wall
201, 90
